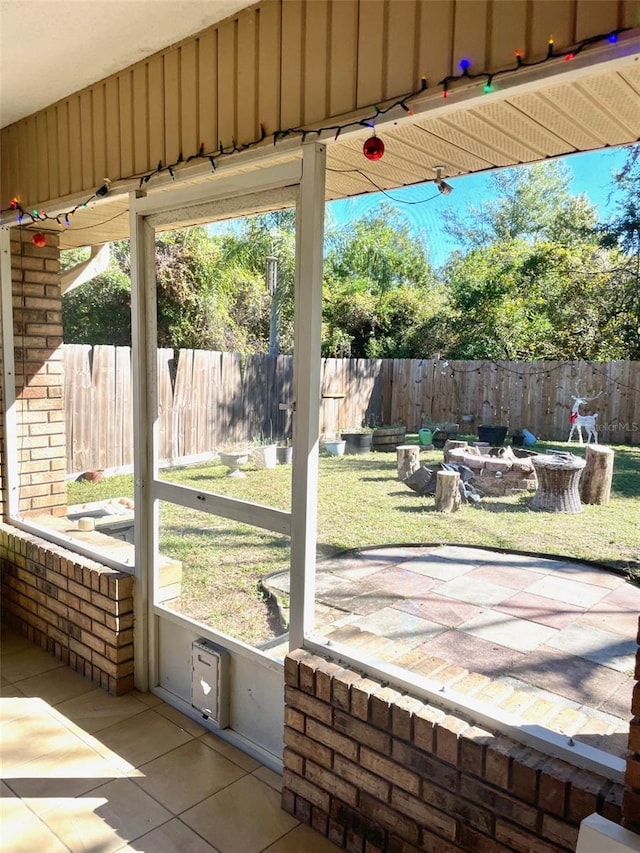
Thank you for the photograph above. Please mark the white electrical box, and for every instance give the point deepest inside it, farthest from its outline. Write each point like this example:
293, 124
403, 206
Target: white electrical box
210, 681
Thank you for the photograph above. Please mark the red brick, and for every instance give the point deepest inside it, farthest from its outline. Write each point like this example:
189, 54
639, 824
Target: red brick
307, 673
328, 781
360, 777
498, 802
634, 735
301, 787
386, 769
294, 719
525, 770
324, 677
559, 831
448, 731
473, 744
319, 820
403, 713
474, 841
363, 733
341, 688
586, 789
498, 762
425, 765
555, 785
308, 748
380, 706
424, 814
332, 739
632, 776
361, 693
389, 818
631, 810
308, 705
293, 761
518, 839
424, 724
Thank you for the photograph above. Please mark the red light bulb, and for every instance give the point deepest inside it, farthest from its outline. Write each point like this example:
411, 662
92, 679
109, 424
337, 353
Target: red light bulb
39, 239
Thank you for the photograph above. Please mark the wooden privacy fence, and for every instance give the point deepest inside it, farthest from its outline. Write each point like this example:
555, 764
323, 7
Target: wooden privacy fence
208, 400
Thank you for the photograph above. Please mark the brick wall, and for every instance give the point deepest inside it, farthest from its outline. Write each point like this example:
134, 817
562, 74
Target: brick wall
37, 314
374, 770
632, 794
77, 610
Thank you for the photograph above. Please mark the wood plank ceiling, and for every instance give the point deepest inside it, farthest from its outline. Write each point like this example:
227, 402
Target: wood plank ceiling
590, 113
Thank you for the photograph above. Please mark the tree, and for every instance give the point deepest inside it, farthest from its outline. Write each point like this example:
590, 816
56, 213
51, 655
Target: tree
378, 286
532, 203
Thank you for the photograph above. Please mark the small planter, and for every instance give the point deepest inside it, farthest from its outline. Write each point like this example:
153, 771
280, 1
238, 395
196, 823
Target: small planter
494, 435
357, 442
232, 460
335, 448
387, 439
265, 456
284, 455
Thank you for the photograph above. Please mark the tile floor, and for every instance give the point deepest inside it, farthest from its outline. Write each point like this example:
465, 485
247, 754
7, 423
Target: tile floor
85, 771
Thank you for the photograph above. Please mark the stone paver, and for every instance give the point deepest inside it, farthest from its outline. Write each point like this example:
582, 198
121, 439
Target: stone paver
601, 647
483, 594
560, 589
518, 634
536, 608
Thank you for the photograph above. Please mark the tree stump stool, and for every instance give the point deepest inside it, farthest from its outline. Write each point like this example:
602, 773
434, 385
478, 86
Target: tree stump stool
595, 485
408, 458
447, 491
558, 480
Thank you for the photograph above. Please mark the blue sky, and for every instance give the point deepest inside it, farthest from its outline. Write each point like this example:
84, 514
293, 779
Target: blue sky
591, 173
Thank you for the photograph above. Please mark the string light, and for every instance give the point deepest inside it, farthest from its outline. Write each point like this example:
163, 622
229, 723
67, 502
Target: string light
304, 132
465, 63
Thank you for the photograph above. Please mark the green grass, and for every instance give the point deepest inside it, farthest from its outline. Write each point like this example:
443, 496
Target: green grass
361, 503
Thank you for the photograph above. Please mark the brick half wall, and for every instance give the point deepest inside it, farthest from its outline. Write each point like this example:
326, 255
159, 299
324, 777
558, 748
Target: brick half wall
374, 770
74, 608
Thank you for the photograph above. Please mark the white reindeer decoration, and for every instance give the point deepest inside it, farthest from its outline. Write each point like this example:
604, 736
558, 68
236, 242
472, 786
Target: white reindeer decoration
580, 422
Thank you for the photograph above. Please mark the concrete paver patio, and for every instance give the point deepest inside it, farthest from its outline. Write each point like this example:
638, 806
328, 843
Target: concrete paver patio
552, 641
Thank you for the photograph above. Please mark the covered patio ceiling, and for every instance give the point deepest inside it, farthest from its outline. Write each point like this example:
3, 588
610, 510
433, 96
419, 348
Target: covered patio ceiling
557, 109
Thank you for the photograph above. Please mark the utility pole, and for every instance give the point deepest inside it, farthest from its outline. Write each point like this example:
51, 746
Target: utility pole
271, 275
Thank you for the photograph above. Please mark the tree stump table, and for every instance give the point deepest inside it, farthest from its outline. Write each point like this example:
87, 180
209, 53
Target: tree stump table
595, 485
558, 480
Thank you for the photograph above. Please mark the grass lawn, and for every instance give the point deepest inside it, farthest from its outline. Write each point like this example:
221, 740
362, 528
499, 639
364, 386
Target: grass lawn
361, 503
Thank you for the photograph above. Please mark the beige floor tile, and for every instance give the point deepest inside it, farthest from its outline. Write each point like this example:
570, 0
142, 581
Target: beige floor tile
29, 738
23, 832
27, 663
244, 818
230, 751
105, 819
146, 698
145, 737
302, 840
56, 686
268, 776
11, 642
9, 690
46, 782
172, 837
180, 719
98, 710
187, 775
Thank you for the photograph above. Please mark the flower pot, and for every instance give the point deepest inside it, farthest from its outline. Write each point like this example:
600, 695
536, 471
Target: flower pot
387, 439
335, 448
265, 456
357, 442
425, 437
284, 455
517, 439
495, 435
